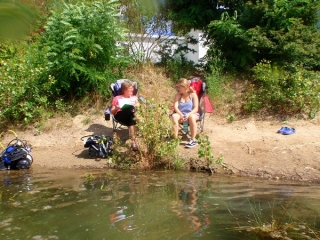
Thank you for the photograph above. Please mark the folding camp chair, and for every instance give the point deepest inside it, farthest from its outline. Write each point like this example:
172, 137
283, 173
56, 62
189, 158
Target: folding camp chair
200, 88
116, 90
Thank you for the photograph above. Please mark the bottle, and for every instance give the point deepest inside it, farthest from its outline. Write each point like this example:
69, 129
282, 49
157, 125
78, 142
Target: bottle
107, 114
185, 127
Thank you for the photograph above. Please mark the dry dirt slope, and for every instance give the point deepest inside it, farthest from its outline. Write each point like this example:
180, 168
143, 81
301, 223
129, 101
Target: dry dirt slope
249, 147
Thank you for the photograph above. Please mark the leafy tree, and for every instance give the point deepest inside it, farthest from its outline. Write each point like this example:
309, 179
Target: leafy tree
80, 47
248, 31
226, 36
280, 43
278, 40
189, 14
280, 31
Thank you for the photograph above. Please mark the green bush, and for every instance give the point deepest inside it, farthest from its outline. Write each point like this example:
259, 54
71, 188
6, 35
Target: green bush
155, 127
77, 54
284, 90
21, 97
283, 32
80, 48
7, 49
156, 148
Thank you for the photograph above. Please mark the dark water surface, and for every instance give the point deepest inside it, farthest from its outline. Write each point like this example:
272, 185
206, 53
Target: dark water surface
63, 204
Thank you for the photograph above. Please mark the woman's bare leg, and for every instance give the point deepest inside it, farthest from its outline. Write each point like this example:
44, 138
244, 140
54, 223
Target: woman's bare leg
175, 119
193, 125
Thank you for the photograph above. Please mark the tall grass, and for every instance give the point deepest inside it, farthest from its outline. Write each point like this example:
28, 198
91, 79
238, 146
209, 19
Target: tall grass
277, 224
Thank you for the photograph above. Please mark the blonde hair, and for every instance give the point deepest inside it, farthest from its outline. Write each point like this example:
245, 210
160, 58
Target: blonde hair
125, 85
185, 83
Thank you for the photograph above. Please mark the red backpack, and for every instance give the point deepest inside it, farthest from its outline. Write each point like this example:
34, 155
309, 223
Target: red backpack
199, 87
196, 84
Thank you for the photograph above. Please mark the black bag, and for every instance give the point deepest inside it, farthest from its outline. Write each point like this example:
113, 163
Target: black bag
13, 153
99, 146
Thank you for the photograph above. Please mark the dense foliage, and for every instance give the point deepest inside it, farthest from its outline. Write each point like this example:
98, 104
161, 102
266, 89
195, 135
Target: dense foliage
189, 14
77, 54
80, 49
73, 50
257, 37
22, 98
154, 125
248, 31
280, 31
283, 91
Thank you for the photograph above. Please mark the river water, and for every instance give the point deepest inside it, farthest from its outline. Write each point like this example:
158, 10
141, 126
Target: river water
111, 204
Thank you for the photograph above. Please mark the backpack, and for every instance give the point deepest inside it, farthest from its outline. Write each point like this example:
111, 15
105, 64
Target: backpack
99, 146
200, 88
13, 153
196, 84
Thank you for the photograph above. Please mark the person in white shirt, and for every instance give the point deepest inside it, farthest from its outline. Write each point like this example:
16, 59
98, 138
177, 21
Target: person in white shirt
123, 109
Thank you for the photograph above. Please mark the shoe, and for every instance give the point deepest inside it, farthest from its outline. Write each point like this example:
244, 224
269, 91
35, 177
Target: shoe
191, 144
134, 147
289, 131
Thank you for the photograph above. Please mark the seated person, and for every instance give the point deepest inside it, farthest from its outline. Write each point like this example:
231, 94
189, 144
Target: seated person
124, 113
186, 109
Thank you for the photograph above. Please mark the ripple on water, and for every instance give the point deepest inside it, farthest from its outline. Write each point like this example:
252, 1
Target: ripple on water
47, 207
6, 222
185, 206
40, 237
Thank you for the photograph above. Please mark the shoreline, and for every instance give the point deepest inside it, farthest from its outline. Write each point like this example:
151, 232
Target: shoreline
250, 148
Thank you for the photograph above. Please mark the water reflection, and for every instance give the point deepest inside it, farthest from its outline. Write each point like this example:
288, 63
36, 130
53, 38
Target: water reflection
192, 210
62, 204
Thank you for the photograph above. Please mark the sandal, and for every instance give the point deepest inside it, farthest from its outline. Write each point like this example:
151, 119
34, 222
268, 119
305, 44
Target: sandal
134, 147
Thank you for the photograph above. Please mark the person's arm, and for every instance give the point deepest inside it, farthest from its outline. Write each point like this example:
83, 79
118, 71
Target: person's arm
114, 106
176, 105
113, 110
